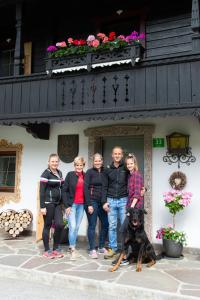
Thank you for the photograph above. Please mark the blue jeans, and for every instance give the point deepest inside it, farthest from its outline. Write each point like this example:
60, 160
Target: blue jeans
117, 210
74, 221
92, 222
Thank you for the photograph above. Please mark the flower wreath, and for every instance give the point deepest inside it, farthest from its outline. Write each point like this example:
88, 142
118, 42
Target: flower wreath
180, 183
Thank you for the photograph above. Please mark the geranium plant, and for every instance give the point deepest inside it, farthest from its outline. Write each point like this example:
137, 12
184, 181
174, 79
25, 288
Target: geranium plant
169, 233
175, 201
93, 43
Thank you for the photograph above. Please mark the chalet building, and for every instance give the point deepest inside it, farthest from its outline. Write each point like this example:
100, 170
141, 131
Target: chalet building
144, 97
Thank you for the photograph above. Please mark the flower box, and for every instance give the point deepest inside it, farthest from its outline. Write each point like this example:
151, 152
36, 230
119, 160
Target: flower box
88, 61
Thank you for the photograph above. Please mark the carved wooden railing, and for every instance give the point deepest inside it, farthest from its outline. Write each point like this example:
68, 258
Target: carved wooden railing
130, 54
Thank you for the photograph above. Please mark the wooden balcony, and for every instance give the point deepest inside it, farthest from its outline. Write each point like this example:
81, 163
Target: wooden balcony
150, 88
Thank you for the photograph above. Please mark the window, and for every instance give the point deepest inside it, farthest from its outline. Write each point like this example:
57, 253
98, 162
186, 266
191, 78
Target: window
10, 166
7, 171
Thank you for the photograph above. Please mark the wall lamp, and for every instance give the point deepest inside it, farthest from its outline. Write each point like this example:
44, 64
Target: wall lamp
178, 149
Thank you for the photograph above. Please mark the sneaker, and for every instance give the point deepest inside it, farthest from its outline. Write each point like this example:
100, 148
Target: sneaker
74, 254
57, 253
103, 251
110, 254
124, 262
48, 254
93, 254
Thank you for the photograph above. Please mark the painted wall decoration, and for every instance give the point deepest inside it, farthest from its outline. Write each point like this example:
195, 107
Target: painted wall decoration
68, 147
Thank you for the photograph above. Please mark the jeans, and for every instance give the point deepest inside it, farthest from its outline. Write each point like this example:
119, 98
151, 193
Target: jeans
117, 210
74, 221
92, 222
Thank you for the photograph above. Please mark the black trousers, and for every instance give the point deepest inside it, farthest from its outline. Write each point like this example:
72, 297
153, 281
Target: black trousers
54, 214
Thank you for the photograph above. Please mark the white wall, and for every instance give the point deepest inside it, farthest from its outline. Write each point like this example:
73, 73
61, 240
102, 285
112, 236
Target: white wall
36, 152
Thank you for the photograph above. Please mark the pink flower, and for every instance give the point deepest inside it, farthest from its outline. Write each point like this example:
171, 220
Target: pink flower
121, 37
52, 48
101, 36
70, 40
95, 43
105, 40
141, 36
90, 39
61, 44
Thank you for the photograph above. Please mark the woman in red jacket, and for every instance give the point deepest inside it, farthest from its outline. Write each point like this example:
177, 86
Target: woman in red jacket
73, 199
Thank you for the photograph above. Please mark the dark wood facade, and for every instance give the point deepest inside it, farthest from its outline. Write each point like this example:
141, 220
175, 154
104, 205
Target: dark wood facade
164, 82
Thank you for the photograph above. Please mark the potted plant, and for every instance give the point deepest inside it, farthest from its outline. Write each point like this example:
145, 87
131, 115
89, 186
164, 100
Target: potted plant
96, 51
173, 240
64, 233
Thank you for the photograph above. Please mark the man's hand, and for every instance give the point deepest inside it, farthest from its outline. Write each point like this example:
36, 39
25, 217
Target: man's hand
67, 211
106, 207
43, 211
90, 209
142, 192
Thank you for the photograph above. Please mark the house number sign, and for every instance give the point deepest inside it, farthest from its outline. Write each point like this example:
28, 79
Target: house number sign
158, 142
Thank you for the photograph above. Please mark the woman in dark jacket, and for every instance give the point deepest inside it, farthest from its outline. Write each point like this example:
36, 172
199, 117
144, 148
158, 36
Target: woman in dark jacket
73, 199
50, 205
93, 194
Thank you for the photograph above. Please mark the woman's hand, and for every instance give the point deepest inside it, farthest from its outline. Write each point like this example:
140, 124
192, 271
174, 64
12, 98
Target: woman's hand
106, 207
67, 211
90, 209
43, 211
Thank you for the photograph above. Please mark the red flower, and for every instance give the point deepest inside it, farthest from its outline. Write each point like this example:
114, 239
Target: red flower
112, 36
82, 42
76, 42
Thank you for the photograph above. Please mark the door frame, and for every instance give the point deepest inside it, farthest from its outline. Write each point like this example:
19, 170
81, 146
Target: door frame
95, 135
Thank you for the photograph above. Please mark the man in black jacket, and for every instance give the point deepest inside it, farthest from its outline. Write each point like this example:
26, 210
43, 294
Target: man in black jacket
114, 197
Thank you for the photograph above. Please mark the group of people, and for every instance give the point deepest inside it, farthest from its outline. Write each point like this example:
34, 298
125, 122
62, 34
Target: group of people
103, 193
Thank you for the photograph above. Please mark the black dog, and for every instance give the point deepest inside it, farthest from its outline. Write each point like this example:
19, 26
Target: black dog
133, 235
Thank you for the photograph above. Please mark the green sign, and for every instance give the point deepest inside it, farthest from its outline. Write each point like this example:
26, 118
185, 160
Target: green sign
158, 143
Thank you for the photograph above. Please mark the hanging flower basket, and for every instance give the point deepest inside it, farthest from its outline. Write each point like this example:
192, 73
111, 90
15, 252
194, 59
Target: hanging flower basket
100, 51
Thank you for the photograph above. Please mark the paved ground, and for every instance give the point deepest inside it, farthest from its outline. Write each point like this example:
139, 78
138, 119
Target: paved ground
168, 279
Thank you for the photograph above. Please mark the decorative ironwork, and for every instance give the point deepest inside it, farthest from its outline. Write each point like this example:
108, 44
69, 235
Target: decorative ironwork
115, 87
126, 87
184, 158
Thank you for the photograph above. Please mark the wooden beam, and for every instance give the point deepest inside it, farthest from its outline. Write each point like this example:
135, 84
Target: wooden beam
195, 25
18, 42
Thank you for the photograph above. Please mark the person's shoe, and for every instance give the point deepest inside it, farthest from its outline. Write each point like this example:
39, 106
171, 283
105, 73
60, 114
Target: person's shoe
110, 254
93, 254
103, 251
124, 262
57, 253
74, 254
48, 254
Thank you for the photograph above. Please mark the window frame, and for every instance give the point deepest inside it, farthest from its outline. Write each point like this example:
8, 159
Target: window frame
8, 189
15, 194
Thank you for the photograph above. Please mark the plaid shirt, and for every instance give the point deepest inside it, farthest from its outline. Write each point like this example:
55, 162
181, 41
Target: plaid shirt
135, 184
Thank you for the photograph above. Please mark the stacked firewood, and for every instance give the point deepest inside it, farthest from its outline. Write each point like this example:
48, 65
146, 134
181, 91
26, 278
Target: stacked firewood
15, 222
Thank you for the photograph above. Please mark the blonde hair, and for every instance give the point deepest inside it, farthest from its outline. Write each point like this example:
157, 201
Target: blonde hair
79, 159
132, 156
97, 155
52, 155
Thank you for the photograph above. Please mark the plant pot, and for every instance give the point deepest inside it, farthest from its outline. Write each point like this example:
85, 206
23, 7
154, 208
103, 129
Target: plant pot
64, 236
172, 248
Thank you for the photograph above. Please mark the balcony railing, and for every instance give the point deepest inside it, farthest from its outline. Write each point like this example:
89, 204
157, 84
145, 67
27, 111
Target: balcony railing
131, 54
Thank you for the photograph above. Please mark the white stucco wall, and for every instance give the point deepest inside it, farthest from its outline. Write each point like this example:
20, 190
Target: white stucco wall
36, 152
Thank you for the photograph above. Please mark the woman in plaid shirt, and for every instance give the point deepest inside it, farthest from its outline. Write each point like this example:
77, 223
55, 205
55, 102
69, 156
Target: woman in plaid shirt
135, 183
